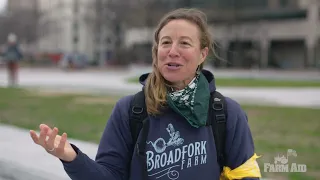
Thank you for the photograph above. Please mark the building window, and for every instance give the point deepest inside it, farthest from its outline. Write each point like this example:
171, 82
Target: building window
75, 39
241, 4
284, 3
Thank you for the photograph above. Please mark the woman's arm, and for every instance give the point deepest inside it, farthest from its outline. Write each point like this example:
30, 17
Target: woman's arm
114, 152
239, 141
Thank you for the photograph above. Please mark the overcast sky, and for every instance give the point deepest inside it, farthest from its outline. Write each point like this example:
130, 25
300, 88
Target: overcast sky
2, 4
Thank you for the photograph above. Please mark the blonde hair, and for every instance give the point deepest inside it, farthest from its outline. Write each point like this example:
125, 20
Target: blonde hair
156, 88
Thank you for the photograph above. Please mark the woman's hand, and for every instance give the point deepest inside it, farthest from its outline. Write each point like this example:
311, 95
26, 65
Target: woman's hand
54, 144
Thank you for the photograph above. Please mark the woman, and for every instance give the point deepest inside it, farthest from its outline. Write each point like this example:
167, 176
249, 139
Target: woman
179, 144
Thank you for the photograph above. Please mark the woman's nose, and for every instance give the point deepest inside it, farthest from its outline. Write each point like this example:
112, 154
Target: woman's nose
173, 51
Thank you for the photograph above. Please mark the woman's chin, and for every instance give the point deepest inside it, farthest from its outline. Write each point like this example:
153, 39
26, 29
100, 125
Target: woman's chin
173, 79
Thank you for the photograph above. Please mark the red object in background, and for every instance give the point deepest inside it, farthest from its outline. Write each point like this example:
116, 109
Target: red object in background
55, 57
12, 72
13, 66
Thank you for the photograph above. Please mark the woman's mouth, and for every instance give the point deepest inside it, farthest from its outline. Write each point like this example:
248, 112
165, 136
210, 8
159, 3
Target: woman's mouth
173, 66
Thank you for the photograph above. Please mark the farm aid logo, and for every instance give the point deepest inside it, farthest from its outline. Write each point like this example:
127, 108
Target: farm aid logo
281, 164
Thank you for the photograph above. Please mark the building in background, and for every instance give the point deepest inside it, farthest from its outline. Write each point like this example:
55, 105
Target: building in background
66, 26
21, 5
253, 33
248, 33
76, 26
20, 17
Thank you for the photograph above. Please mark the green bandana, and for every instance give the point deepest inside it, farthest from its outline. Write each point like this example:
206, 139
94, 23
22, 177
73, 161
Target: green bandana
192, 102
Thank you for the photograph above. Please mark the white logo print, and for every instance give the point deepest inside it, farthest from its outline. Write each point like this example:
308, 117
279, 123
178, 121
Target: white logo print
167, 163
160, 144
281, 164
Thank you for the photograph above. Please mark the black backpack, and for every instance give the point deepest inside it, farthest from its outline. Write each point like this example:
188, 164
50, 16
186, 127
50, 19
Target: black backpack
217, 116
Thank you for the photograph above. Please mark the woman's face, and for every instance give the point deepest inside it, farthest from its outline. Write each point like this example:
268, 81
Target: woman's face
179, 52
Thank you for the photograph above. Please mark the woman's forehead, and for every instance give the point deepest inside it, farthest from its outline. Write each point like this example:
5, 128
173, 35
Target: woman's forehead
179, 28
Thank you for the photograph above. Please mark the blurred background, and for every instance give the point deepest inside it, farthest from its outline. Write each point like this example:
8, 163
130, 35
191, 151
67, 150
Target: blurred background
280, 34
80, 56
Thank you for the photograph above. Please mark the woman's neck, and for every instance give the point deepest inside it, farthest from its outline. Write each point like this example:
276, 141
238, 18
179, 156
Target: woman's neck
182, 84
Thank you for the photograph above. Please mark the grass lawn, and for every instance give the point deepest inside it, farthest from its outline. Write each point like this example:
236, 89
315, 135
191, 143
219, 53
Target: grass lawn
275, 129
247, 82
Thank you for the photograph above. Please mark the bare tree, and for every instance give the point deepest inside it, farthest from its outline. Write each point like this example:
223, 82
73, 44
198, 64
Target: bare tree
119, 15
23, 23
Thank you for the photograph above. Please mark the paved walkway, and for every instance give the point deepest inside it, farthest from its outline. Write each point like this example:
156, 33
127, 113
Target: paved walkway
114, 82
21, 159
254, 73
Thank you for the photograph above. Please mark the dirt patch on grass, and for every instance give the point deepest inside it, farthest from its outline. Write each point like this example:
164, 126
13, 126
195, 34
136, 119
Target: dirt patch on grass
255, 113
277, 177
50, 93
95, 100
82, 99
314, 174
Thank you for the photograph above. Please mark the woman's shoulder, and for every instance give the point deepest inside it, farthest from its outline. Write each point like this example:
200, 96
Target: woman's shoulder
236, 113
120, 112
233, 105
124, 102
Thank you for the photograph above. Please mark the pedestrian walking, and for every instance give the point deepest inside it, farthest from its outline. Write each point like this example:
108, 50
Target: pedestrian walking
12, 56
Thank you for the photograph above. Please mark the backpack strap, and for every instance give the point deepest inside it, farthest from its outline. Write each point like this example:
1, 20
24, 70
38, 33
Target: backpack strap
138, 113
138, 120
218, 118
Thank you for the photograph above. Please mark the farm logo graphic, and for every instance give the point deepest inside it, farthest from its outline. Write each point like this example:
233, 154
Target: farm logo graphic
170, 163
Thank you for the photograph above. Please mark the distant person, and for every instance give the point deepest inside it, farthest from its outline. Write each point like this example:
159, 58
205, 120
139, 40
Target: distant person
179, 127
12, 56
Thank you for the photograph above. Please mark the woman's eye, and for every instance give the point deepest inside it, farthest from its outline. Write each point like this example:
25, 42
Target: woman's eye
185, 43
165, 42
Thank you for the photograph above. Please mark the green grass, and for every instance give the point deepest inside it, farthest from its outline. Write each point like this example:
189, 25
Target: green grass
81, 116
275, 129
251, 82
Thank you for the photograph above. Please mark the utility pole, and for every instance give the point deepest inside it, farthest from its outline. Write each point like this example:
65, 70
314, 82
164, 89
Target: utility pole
234, 23
101, 35
100, 31
75, 23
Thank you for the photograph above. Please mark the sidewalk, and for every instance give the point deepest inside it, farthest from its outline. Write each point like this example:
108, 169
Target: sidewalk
250, 73
115, 83
21, 159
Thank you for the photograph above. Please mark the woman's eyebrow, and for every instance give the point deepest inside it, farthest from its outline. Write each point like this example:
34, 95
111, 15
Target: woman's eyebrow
186, 37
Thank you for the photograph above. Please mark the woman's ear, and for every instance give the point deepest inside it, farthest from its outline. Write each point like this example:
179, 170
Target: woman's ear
204, 54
